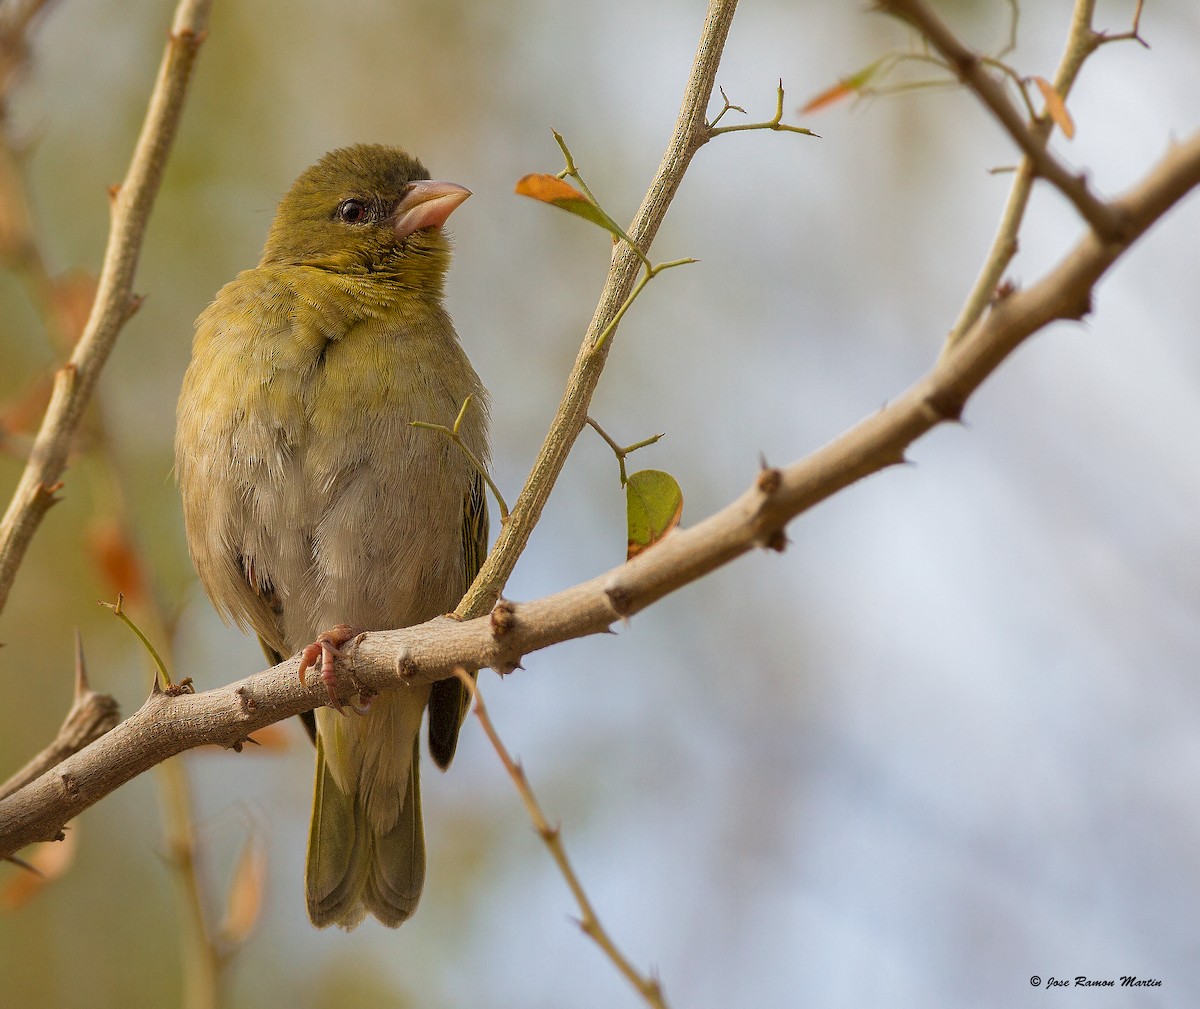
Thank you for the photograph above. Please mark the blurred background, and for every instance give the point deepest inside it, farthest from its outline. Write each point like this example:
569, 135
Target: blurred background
949, 740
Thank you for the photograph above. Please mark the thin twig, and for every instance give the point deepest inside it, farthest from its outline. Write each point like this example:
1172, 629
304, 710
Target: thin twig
974, 72
1080, 44
687, 137
775, 123
453, 433
114, 303
648, 987
622, 451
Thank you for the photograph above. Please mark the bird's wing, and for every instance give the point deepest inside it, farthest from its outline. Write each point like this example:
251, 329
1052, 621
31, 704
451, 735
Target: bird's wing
234, 454
448, 699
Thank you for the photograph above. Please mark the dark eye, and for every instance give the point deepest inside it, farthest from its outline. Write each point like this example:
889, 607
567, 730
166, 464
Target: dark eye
352, 211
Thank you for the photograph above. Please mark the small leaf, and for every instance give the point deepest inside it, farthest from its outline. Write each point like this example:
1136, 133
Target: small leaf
1056, 108
245, 893
653, 506
553, 190
845, 87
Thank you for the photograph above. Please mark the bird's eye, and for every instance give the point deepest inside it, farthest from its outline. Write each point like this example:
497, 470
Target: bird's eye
352, 211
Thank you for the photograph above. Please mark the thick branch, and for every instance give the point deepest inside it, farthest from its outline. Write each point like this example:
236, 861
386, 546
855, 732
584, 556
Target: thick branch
167, 725
689, 135
114, 302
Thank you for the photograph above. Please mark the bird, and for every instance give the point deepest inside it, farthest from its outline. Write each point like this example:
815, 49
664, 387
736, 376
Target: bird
314, 510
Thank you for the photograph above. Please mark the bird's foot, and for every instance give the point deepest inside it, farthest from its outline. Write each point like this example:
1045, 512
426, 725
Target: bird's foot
324, 651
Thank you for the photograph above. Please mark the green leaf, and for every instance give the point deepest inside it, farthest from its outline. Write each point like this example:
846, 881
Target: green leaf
653, 506
553, 190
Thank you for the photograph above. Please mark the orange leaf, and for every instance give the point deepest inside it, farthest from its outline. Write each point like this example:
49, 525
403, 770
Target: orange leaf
1056, 108
553, 190
846, 86
547, 188
827, 97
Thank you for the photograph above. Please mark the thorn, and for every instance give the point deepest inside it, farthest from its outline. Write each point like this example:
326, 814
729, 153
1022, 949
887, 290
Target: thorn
944, 406
777, 541
405, 666
21, 863
769, 480
1005, 289
113, 192
619, 600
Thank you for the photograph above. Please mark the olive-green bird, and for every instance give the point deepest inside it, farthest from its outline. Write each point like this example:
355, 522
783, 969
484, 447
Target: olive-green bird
314, 510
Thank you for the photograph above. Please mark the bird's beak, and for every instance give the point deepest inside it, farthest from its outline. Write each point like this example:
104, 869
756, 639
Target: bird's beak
427, 204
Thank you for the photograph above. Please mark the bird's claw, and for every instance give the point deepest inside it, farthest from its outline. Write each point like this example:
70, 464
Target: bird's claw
325, 650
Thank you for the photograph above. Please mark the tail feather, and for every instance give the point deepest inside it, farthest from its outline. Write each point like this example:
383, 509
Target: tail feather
396, 870
353, 869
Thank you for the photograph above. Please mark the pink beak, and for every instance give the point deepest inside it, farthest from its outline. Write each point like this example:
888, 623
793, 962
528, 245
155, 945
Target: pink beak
427, 204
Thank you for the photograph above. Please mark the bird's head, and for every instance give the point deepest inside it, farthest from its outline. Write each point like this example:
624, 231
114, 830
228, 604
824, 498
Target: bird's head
369, 210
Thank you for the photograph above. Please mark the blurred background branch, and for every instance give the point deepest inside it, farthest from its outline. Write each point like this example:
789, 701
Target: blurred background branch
114, 302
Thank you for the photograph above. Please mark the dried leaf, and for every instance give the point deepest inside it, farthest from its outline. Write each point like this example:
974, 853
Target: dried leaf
847, 86
51, 859
553, 190
245, 893
1056, 108
653, 506
116, 558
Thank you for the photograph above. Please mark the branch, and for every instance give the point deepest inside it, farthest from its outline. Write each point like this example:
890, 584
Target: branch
688, 137
114, 302
166, 725
974, 72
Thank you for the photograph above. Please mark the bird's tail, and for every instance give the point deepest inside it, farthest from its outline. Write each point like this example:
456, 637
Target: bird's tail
355, 867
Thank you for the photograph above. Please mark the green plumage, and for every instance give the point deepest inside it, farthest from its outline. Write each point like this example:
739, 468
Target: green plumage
310, 500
